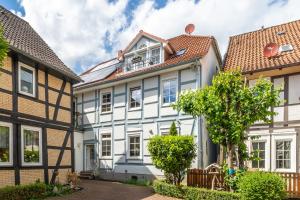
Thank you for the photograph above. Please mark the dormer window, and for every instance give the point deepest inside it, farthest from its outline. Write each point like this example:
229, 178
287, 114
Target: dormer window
155, 56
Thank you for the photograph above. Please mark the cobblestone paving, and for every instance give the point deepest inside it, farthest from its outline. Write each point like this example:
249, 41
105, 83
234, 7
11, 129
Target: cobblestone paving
103, 190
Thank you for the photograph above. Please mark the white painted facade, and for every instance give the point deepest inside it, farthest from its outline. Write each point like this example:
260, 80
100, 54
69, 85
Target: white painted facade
152, 117
280, 139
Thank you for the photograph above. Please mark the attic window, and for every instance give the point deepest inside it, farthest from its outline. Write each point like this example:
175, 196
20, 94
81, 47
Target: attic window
180, 52
285, 48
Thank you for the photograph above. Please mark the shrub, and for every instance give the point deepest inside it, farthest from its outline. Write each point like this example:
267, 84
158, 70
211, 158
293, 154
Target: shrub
23, 192
191, 193
141, 182
173, 130
166, 189
173, 155
261, 186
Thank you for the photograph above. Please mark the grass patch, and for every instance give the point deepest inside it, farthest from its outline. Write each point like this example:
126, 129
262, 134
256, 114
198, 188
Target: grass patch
139, 182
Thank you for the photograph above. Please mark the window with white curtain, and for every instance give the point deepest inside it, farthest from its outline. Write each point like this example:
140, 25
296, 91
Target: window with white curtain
5, 143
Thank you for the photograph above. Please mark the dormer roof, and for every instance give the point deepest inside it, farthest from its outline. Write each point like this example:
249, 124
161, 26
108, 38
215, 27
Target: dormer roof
195, 48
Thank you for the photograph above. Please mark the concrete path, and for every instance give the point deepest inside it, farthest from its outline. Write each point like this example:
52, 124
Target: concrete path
103, 190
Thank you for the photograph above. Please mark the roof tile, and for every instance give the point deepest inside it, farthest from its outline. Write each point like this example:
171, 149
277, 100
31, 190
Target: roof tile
246, 50
22, 37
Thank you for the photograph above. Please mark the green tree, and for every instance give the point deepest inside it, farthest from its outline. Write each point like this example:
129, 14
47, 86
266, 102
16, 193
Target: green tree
173, 155
3, 47
230, 107
173, 129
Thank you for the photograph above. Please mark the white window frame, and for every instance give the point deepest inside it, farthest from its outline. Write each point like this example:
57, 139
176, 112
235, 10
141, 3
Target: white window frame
260, 141
162, 90
20, 65
159, 55
129, 98
128, 146
10, 126
40, 145
107, 139
101, 102
275, 156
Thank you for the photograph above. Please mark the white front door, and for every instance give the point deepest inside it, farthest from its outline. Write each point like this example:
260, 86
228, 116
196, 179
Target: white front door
90, 163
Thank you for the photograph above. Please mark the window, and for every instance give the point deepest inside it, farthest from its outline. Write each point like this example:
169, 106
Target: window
283, 154
106, 145
169, 91
5, 143
135, 97
106, 102
259, 147
155, 56
26, 80
31, 145
134, 146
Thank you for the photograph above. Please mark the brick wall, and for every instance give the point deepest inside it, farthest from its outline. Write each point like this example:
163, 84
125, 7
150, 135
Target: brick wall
7, 177
31, 176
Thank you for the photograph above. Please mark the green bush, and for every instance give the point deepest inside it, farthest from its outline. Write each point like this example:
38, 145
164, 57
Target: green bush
261, 186
166, 189
23, 192
141, 182
173, 130
173, 155
191, 193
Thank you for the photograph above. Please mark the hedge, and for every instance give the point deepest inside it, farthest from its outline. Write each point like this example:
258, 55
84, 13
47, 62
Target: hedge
191, 193
23, 192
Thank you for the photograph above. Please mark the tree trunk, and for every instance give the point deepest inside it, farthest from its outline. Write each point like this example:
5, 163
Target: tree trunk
230, 154
221, 155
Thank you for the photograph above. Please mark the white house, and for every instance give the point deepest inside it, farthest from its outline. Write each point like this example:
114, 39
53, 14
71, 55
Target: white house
125, 101
278, 142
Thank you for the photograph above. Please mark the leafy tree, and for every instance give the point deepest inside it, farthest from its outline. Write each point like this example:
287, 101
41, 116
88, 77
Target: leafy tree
3, 47
230, 107
173, 155
173, 129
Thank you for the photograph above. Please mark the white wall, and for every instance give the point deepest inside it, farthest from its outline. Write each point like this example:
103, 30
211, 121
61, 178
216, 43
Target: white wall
78, 146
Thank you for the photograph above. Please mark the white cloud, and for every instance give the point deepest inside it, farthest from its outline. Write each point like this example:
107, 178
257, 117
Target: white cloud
76, 29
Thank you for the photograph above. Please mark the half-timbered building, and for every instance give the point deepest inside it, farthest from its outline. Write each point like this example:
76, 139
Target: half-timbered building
125, 101
278, 142
36, 131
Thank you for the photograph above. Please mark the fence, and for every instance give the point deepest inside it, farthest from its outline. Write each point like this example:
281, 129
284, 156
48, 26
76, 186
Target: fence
202, 178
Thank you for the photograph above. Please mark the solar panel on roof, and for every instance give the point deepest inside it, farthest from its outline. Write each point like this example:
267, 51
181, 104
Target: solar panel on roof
100, 74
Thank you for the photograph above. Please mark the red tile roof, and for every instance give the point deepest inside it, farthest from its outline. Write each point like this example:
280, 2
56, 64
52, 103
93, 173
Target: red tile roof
196, 47
245, 51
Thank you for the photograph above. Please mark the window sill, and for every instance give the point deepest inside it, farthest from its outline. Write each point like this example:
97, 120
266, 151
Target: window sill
31, 164
134, 109
27, 95
106, 158
134, 158
165, 105
105, 113
6, 165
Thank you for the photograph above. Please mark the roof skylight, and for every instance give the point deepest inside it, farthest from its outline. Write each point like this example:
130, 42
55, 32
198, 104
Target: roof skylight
285, 48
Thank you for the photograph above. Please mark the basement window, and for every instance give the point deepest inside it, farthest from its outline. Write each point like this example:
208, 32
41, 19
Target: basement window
5, 143
31, 145
26, 80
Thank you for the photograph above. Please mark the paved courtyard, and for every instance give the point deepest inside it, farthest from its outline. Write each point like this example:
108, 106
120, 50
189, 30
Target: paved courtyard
103, 190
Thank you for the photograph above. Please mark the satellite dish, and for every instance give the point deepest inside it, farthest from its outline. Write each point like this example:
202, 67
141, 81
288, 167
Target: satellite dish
271, 50
189, 28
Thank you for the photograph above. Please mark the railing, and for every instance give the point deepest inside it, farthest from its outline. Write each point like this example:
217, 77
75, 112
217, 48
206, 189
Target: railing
140, 62
203, 179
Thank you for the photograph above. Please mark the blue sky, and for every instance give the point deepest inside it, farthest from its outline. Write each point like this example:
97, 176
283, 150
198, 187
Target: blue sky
86, 32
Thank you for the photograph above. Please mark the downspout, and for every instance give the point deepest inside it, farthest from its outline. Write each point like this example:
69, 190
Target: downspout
200, 120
